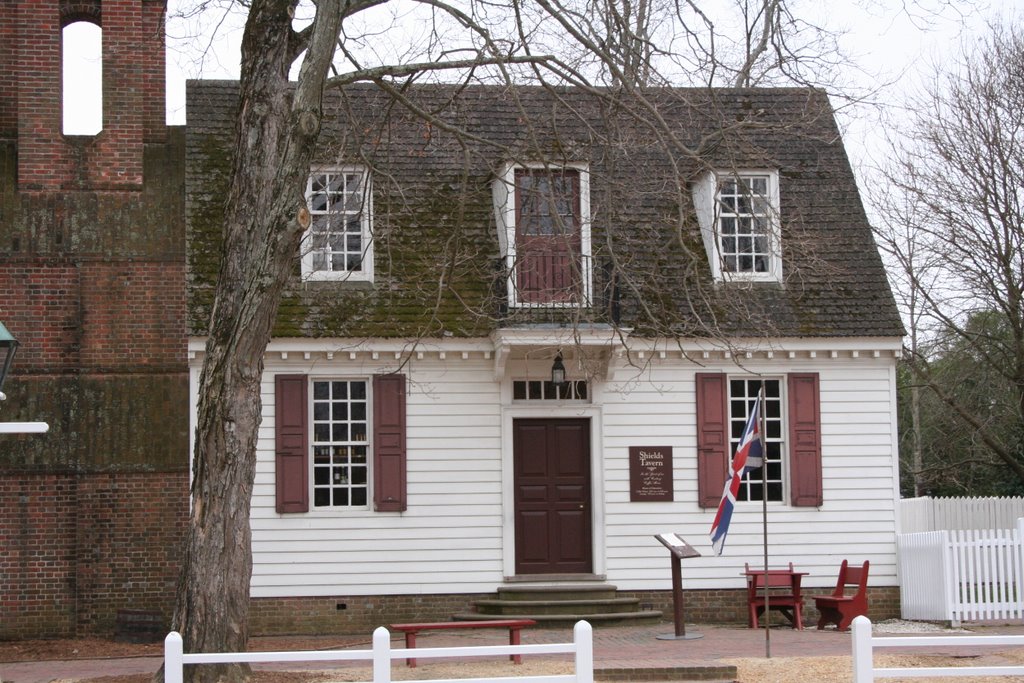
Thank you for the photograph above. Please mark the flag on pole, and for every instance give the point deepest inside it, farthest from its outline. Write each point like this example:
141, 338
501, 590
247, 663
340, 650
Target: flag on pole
749, 456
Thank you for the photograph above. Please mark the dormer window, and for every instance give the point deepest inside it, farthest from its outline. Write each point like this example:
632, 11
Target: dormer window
739, 218
544, 222
338, 244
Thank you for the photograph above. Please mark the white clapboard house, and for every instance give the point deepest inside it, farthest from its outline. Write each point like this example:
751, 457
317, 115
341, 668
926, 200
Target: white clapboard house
673, 254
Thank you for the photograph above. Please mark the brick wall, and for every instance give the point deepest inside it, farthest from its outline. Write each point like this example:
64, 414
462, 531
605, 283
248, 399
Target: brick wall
8, 77
361, 614
94, 315
154, 73
92, 283
31, 94
730, 606
37, 529
79, 547
350, 614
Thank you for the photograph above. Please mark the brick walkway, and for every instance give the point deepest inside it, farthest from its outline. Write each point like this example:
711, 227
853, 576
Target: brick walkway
620, 653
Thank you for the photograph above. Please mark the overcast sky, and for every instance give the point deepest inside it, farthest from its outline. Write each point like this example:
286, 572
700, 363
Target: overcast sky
888, 44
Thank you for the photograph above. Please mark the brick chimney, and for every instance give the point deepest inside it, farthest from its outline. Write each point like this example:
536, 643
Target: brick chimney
31, 107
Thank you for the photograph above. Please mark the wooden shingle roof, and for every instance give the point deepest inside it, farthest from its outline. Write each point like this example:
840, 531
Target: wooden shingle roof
435, 152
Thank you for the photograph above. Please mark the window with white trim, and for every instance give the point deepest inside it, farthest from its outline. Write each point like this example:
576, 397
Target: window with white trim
738, 215
340, 443
338, 244
744, 224
546, 390
543, 217
742, 395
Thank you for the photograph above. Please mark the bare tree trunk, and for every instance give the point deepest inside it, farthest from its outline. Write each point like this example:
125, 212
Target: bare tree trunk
265, 218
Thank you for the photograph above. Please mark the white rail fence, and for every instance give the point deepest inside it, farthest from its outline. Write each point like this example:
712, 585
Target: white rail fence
962, 575
382, 655
864, 644
952, 514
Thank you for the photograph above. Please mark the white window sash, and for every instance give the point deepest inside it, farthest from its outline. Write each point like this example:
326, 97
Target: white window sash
706, 204
365, 274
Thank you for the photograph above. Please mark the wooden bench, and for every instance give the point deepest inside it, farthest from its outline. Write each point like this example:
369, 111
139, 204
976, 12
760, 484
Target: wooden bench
783, 594
513, 626
841, 608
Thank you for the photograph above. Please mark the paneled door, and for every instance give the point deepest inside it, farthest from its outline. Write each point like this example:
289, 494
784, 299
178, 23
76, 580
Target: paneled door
552, 496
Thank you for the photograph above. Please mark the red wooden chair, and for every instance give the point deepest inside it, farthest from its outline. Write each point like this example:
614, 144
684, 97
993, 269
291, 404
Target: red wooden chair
840, 608
784, 594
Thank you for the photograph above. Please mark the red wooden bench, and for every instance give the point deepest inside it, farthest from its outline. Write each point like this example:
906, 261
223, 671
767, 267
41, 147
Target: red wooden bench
513, 626
783, 594
840, 608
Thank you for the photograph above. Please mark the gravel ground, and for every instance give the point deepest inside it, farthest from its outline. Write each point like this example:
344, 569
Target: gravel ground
830, 669
840, 669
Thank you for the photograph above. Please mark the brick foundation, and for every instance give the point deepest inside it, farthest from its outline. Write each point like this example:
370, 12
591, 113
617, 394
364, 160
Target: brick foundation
349, 613
346, 614
730, 606
77, 548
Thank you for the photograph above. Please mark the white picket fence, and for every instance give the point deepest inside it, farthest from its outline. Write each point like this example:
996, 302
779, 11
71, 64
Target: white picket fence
864, 643
963, 575
382, 655
951, 514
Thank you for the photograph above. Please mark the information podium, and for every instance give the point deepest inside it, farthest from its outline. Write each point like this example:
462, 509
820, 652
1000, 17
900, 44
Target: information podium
679, 549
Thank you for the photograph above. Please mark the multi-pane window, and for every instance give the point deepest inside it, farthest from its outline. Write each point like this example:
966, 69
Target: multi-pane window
742, 395
340, 443
745, 219
338, 245
544, 231
547, 203
549, 267
546, 390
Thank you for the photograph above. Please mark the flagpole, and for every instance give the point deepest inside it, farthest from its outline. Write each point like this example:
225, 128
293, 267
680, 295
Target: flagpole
764, 523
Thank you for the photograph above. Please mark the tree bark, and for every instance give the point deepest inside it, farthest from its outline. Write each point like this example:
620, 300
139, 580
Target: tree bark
265, 218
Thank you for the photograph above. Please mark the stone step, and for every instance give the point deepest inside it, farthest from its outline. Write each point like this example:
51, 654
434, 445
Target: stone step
558, 603
557, 591
585, 606
568, 620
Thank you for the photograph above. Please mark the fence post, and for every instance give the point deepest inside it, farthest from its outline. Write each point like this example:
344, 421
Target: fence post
381, 655
583, 637
863, 659
173, 658
952, 580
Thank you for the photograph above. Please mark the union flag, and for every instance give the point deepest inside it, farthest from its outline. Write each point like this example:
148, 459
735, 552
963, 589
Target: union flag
749, 456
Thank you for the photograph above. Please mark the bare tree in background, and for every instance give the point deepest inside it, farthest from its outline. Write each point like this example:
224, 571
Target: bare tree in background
277, 128
955, 225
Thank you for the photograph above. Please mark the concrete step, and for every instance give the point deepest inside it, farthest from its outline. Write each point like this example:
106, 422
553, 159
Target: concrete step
553, 602
557, 591
584, 606
568, 620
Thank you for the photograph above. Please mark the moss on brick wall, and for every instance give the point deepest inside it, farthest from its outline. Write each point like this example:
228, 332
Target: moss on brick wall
92, 283
80, 547
98, 423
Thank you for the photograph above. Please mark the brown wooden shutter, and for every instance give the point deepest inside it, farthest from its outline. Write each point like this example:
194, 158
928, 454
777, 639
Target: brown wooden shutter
712, 437
389, 443
291, 453
805, 440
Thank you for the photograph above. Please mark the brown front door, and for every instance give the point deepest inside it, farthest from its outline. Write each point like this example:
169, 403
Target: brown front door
552, 496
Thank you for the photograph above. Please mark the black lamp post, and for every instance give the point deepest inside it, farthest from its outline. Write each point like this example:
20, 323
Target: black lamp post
558, 371
8, 347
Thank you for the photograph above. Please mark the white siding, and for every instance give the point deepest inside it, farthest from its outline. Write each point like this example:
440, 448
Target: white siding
856, 521
454, 536
449, 538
